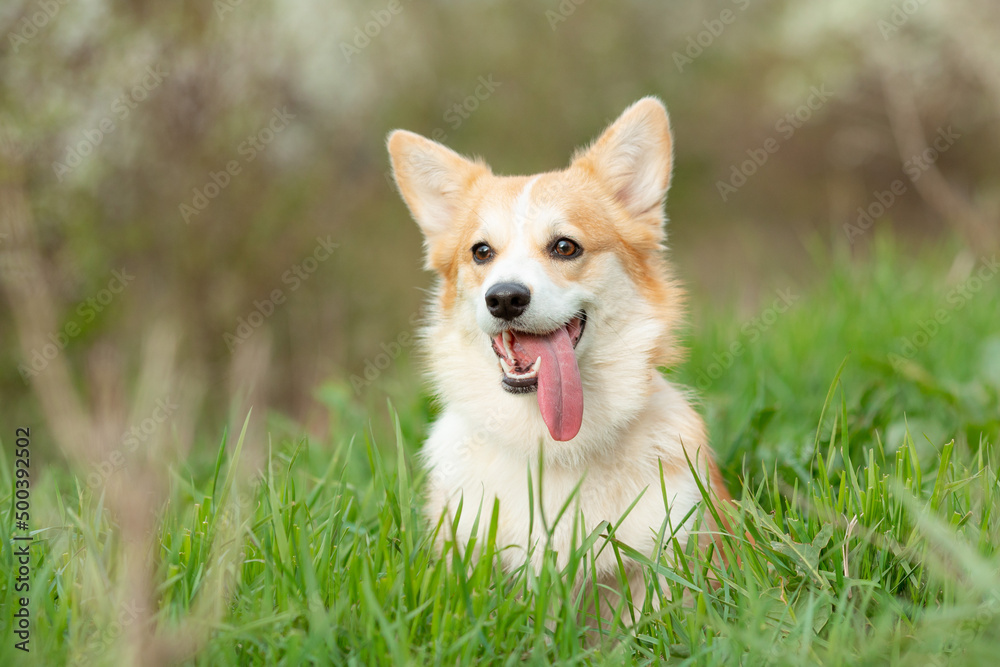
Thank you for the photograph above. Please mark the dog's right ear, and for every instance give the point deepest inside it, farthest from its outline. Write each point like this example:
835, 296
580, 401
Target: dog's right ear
634, 158
432, 179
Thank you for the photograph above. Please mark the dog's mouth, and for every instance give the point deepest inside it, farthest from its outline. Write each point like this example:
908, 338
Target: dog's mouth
546, 363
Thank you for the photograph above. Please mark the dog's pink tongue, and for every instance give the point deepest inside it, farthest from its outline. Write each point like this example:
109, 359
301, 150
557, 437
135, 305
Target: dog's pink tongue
560, 392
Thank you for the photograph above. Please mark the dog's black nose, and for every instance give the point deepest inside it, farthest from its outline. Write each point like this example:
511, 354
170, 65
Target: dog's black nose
507, 300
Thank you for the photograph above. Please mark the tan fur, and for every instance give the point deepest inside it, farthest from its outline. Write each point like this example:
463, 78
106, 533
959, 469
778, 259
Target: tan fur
487, 442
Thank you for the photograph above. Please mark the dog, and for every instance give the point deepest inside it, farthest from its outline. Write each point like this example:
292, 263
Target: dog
553, 310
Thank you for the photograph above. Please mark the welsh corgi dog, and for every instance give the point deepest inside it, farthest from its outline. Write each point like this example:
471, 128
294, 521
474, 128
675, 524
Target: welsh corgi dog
553, 310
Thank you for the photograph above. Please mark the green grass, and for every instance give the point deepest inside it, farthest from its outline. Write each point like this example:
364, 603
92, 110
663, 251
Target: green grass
868, 483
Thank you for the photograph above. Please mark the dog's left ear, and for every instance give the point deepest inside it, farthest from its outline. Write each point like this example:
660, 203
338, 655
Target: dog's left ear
634, 158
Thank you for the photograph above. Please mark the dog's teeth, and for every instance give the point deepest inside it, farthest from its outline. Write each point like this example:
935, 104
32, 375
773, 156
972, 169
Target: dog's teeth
535, 367
506, 367
508, 344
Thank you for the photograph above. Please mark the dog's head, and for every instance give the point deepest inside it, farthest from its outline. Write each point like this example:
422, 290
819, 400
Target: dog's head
558, 274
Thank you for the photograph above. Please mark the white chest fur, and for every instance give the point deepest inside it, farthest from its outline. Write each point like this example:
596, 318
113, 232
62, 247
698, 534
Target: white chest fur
477, 459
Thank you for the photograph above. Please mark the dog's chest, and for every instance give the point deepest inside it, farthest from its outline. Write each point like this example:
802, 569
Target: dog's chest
560, 507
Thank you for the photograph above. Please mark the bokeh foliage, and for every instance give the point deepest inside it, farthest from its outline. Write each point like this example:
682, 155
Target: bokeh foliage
562, 70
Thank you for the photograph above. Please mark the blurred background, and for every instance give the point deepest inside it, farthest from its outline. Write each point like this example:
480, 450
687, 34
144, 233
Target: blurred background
217, 170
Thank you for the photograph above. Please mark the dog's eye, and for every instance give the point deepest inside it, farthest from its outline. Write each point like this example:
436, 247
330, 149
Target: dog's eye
566, 248
482, 253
